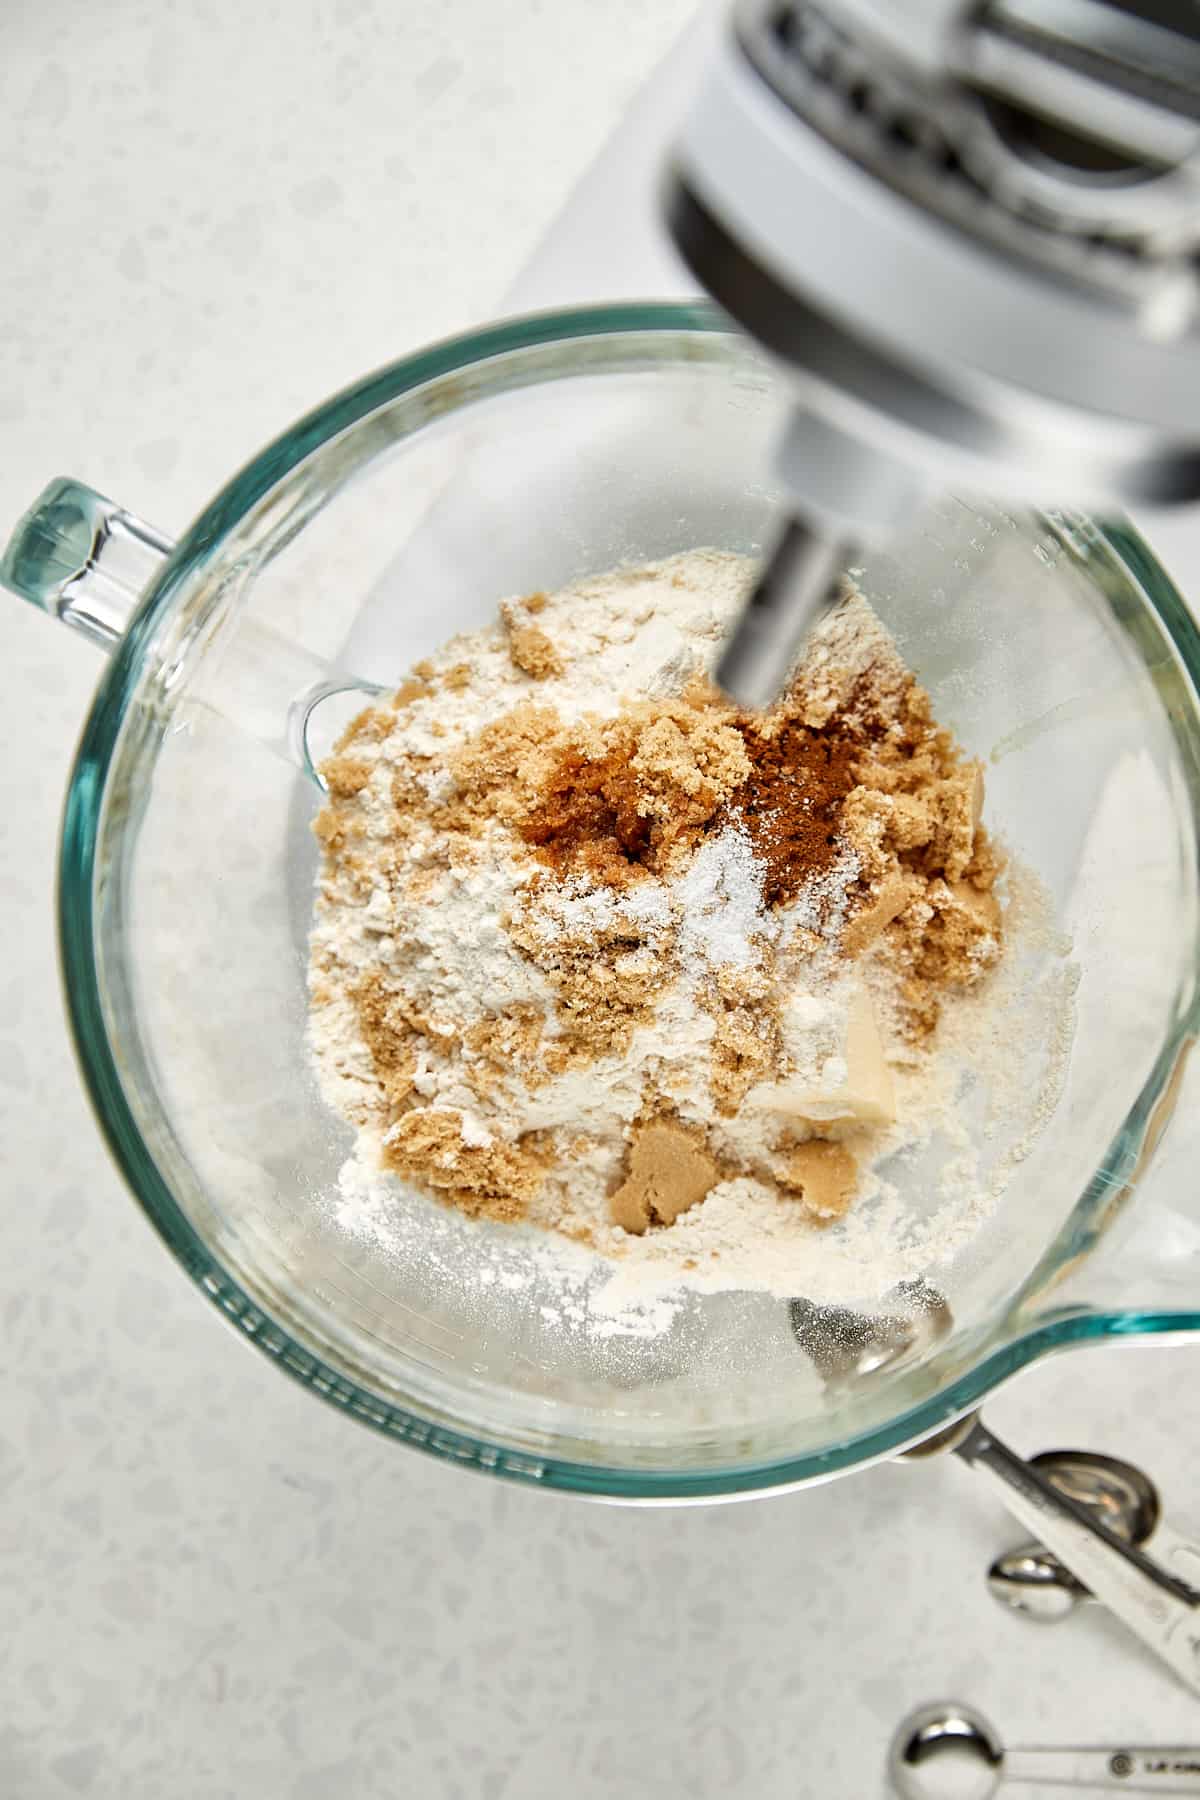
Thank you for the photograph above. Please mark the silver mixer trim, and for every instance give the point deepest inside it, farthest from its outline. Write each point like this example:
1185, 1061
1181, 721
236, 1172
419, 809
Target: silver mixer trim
964, 290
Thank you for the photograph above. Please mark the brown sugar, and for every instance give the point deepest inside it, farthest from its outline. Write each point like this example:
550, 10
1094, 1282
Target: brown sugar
744, 1051
622, 797
669, 1171
605, 982
946, 940
499, 771
823, 1177
496, 1180
895, 890
408, 691
390, 1038
533, 652
345, 776
687, 756
503, 1042
528, 645
586, 816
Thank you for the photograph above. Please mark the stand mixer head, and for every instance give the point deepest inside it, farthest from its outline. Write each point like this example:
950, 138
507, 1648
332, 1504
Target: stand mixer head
968, 235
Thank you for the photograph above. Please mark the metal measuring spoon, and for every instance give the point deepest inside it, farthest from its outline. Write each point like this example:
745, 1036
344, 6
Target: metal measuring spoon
1037, 1583
1034, 1582
949, 1751
1158, 1600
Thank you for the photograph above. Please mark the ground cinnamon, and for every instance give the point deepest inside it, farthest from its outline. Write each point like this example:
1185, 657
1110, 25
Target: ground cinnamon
791, 803
618, 807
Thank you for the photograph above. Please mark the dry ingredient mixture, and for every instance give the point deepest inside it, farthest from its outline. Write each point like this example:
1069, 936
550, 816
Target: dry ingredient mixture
596, 952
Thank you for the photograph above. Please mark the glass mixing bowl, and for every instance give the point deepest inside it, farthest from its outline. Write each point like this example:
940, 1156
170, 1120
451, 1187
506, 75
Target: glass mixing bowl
398, 513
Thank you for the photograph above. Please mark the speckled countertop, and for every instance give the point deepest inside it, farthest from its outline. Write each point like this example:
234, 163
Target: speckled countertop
214, 1586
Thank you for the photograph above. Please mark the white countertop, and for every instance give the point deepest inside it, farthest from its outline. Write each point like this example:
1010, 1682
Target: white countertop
214, 1586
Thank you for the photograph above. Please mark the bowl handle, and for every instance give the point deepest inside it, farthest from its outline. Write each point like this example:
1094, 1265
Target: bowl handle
87, 561
83, 560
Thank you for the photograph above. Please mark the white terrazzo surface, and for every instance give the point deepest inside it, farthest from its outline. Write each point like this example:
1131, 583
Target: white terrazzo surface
214, 1586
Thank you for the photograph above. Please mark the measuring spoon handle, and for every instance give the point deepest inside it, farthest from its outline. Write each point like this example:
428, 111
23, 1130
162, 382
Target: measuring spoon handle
1171, 1769
1161, 1608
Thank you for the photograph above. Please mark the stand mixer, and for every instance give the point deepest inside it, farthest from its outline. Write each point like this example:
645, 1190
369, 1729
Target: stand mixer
967, 235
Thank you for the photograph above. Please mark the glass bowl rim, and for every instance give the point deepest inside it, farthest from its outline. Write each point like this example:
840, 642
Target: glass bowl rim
79, 843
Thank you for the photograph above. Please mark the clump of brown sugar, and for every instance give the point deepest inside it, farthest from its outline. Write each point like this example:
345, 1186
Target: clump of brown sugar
586, 816
531, 650
499, 771
746, 1037
501, 1044
669, 1171
624, 795
390, 1038
927, 868
345, 776
946, 940
496, 1179
823, 1176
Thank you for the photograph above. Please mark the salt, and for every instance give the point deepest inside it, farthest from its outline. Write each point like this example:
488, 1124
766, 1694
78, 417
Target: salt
722, 919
